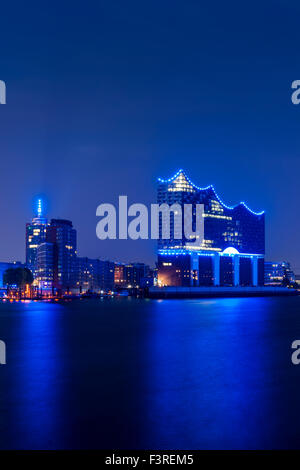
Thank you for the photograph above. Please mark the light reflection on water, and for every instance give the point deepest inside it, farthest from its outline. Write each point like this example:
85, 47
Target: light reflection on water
129, 373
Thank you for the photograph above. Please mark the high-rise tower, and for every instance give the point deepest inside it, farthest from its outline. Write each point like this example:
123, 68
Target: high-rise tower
35, 235
63, 236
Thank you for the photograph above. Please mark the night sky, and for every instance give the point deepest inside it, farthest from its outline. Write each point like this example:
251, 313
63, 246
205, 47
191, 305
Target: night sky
104, 97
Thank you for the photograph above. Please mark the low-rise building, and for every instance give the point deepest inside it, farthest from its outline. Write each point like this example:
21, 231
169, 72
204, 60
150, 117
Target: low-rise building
131, 275
278, 273
94, 275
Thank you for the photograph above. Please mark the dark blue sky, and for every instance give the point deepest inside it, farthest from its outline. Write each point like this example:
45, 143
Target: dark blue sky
104, 97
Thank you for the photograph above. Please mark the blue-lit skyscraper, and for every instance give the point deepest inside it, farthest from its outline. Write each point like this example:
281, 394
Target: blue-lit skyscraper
35, 235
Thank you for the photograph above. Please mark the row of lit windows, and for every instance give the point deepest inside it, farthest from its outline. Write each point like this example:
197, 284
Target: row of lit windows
215, 216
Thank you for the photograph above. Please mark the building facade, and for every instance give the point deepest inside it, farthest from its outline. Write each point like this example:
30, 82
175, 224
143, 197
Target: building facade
278, 273
94, 275
46, 267
35, 235
233, 248
131, 275
63, 236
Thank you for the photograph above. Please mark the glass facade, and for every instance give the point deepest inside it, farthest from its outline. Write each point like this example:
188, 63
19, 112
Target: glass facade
64, 237
224, 226
35, 235
45, 263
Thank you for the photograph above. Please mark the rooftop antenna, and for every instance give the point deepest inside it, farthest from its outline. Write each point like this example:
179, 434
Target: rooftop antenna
39, 208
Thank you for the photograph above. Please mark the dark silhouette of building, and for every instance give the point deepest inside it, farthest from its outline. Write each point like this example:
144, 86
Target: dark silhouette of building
63, 236
94, 275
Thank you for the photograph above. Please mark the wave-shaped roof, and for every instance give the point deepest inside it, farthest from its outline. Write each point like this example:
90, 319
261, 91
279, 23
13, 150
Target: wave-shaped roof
182, 172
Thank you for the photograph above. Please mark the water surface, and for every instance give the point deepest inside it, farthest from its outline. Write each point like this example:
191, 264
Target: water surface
160, 374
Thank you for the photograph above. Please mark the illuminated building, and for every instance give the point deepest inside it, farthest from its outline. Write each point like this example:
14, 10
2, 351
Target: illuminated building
278, 273
131, 275
120, 275
232, 252
35, 235
94, 275
45, 267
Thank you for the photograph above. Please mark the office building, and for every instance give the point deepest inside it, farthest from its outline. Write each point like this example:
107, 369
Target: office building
46, 267
94, 275
131, 275
63, 236
35, 235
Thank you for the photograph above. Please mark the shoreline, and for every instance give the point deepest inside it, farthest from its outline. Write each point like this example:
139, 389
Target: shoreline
219, 292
